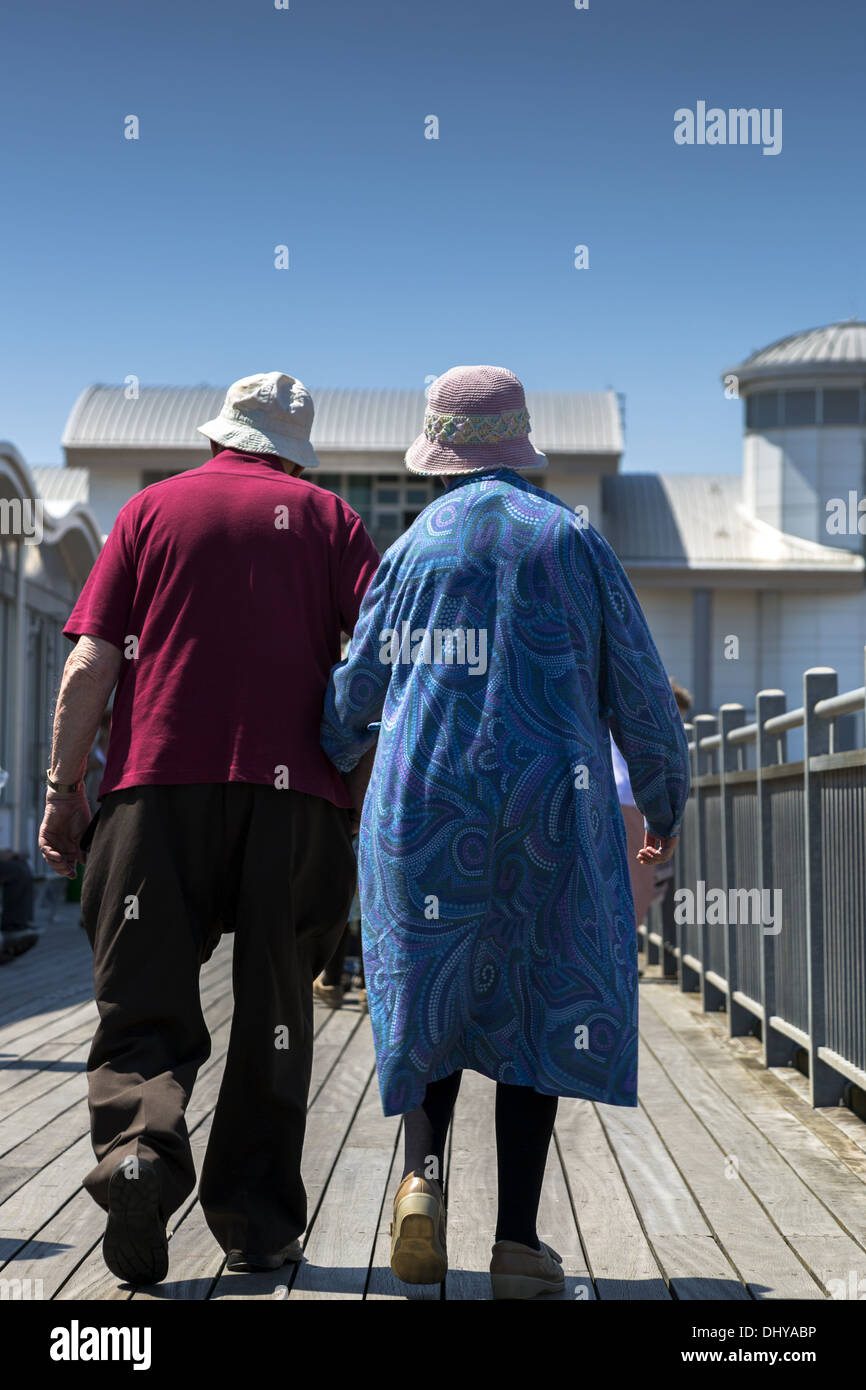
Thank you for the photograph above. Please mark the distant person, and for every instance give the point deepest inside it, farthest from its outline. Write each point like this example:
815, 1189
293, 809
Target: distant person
329, 987
497, 643
682, 697
216, 605
642, 876
19, 933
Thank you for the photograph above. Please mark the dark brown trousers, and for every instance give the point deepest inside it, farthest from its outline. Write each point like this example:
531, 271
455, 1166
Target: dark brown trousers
170, 868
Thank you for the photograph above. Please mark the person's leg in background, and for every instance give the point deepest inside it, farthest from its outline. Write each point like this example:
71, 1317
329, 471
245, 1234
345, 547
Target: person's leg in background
294, 876
18, 930
147, 906
328, 987
522, 1266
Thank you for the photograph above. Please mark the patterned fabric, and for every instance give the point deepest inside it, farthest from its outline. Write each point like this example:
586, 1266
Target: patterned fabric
475, 429
498, 923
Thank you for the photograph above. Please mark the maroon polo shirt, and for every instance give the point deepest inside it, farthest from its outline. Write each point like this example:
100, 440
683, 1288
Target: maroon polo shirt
226, 588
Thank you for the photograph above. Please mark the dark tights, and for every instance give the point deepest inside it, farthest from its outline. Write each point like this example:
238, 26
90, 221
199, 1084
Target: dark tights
524, 1125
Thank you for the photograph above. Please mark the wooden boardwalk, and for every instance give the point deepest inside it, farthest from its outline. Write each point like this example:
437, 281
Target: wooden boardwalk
722, 1184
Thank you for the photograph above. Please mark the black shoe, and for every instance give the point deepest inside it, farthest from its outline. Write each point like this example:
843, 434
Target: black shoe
15, 943
135, 1247
243, 1262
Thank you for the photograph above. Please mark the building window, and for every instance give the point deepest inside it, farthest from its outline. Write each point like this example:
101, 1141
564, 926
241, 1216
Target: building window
800, 408
767, 410
386, 502
841, 407
359, 495
762, 411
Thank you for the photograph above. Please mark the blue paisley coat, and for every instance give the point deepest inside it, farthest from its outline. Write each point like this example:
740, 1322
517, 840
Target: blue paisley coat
498, 645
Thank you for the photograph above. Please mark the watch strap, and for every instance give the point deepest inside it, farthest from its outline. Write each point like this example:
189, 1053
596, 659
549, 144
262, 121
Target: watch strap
63, 786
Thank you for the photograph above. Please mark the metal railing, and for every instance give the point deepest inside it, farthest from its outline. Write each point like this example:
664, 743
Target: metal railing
766, 917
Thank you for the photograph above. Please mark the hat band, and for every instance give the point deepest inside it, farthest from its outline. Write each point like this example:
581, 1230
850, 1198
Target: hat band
476, 429
237, 417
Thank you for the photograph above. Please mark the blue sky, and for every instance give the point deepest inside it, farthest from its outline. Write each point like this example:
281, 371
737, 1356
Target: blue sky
305, 127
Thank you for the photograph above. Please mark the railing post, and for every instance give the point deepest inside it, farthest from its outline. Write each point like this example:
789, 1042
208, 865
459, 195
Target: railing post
819, 683
731, 716
712, 998
672, 953
777, 1048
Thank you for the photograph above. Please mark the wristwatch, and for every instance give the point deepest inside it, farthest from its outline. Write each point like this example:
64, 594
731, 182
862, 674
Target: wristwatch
63, 786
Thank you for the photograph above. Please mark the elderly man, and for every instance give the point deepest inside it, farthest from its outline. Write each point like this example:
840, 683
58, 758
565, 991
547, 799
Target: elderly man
216, 607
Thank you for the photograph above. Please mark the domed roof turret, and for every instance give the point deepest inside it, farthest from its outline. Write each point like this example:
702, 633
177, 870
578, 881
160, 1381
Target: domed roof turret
835, 350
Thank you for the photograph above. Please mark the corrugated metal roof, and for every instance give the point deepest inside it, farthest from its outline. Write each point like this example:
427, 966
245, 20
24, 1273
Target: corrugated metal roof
698, 520
61, 484
166, 417
841, 345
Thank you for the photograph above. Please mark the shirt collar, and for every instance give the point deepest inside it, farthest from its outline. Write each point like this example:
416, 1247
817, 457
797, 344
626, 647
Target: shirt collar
236, 461
504, 475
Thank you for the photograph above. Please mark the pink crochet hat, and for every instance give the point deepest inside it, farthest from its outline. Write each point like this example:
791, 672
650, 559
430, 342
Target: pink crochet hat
476, 419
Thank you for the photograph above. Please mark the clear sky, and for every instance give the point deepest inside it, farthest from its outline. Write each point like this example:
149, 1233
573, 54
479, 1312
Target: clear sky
305, 127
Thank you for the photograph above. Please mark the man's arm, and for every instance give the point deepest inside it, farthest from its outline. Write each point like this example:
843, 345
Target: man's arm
89, 677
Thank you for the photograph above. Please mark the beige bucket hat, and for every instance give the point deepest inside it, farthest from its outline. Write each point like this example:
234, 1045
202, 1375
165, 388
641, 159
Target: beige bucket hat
267, 413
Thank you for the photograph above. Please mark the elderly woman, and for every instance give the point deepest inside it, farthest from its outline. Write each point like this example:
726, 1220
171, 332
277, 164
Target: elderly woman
498, 646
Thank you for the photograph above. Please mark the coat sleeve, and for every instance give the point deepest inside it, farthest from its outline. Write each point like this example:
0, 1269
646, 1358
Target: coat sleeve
637, 701
358, 686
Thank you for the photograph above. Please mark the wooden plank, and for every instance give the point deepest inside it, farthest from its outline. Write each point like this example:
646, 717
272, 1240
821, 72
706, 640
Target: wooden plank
764, 1260
330, 1118
43, 1147
831, 1164
339, 1250
336, 1027
471, 1191
50, 1023
618, 1253
681, 1239
61, 1245
793, 1207
30, 1116
29, 1119
45, 1186
52, 1060
557, 1227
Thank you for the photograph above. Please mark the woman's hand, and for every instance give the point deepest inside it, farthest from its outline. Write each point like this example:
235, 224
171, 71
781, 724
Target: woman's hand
656, 849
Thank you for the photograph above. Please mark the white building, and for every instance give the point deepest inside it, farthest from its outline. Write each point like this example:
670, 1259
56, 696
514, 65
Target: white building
360, 436
746, 578
48, 544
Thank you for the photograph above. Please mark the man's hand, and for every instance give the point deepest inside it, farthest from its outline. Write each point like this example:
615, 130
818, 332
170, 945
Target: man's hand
656, 849
67, 816
357, 782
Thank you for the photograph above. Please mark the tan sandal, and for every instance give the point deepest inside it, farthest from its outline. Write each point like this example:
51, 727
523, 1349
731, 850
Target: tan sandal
418, 1254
